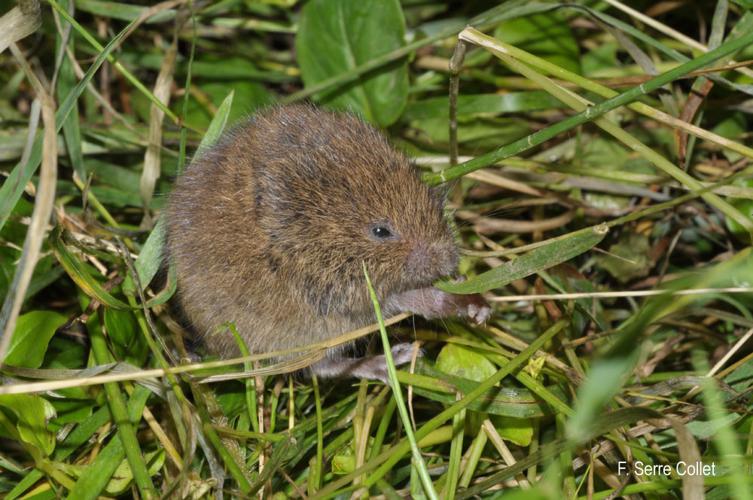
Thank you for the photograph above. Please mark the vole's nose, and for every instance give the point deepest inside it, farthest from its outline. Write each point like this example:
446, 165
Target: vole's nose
429, 261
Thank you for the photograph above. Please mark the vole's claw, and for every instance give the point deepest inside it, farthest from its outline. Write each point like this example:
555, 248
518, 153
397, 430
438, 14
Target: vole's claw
478, 309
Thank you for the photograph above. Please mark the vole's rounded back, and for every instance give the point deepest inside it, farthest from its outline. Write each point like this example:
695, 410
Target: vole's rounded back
270, 227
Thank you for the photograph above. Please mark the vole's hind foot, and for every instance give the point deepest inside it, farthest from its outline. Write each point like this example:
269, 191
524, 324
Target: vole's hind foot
375, 367
402, 353
371, 367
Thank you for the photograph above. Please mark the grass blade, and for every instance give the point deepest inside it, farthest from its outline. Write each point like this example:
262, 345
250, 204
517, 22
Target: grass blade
418, 460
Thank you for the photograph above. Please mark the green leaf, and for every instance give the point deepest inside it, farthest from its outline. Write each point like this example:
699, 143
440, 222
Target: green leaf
31, 336
215, 129
604, 379
517, 430
95, 477
601, 58
343, 464
122, 477
707, 429
122, 11
337, 36
476, 133
462, 362
127, 341
31, 414
628, 259
536, 260
248, 97
21, 174
546, 35
732, 127
501, 400
482, 104
71, 127
150, 258
80, 275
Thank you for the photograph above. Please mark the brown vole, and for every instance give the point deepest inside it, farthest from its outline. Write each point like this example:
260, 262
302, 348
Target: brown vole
268, 229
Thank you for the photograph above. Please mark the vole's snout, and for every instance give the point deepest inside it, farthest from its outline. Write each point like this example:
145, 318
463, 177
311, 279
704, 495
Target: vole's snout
431, 261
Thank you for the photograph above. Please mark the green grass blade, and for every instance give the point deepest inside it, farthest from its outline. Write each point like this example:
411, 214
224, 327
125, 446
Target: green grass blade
418, 460
590, 113
541, 258
21, 174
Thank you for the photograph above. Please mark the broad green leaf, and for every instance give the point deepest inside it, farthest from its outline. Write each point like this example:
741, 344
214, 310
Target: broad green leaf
536, 260
32, 413
223, 68
343, 464
114, 175
73, 407
517, 430
628, 259
166, 293
462, 362
31, 336
600, 153
475, 133
506, 401
248, 96
546, 35
482, 104
336, 36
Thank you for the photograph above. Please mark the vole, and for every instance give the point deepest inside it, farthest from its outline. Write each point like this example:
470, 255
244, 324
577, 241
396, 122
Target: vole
270, 227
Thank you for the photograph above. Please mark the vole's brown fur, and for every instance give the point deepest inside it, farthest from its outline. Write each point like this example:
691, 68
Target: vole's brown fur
269, 228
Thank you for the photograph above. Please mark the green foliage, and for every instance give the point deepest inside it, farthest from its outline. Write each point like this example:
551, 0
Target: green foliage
536, 260
30, 426
462, 362
336, 36
33, 332
545, 35
544, 203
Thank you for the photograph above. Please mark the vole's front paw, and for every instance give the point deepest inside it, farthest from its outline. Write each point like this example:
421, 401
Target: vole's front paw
434, 303
478, 309
473, 307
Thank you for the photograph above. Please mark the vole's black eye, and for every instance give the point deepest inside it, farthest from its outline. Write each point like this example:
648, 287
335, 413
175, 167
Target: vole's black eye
381, 232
